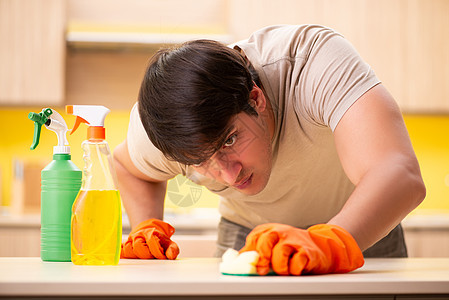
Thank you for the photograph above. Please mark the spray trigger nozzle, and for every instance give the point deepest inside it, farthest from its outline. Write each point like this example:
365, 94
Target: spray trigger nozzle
39, 119
78, 121
92, 115
54, 122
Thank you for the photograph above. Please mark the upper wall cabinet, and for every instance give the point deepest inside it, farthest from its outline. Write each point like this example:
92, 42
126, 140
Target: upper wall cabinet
110, 41
405, 41
149, 24
32, 52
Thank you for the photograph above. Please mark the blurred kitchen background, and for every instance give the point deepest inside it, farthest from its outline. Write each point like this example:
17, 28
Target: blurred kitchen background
58, 52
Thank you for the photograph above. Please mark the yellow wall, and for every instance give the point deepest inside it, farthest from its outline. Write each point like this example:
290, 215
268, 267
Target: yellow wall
16, 138
429, 134
430, 138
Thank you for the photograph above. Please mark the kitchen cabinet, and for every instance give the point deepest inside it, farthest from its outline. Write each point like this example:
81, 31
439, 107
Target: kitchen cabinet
20, 236
32, 52
194, 278
195, 236
427, 242
109, 43
405, 41
426, 235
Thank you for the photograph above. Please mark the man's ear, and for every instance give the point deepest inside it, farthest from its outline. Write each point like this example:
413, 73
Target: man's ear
257, 99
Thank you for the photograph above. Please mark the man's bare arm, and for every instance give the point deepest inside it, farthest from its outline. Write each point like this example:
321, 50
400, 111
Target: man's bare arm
377, 155
142, 196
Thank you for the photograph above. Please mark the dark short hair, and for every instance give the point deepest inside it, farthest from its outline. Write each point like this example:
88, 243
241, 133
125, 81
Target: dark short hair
189, 95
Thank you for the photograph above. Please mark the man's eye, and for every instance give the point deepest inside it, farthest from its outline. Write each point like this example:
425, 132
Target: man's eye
230, 141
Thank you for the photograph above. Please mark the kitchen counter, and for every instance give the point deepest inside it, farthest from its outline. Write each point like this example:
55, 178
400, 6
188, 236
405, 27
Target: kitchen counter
194, 277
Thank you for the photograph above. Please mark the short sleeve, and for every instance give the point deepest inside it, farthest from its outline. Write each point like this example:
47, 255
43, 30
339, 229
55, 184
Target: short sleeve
333, 78
145, 156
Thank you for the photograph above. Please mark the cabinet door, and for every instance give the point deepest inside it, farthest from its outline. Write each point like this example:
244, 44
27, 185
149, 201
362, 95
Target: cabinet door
32, 51
406, 42
423, 242
19, 241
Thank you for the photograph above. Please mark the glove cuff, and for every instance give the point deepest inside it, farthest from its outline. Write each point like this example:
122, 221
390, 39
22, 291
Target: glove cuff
160, 225
346, 253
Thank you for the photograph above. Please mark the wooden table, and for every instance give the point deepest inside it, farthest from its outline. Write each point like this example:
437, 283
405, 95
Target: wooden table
195, 278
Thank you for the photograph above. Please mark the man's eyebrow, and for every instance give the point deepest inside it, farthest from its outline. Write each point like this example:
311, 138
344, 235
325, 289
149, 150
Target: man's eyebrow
226, 134
221, 141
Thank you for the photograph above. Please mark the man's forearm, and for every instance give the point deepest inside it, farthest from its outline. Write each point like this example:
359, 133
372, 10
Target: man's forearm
383, 197
142, 199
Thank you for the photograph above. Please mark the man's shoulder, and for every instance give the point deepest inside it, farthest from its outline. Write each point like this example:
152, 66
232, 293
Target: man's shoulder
284, 42
289, 32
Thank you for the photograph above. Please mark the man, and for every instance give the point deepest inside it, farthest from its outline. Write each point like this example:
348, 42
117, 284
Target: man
293, 130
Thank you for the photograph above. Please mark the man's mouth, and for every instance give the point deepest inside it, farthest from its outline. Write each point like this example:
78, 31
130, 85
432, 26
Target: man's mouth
242, 184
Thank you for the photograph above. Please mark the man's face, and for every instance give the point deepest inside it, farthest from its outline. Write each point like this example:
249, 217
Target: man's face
244, 161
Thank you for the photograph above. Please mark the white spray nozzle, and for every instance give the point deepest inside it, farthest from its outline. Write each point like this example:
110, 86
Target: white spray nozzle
93, 115
58, 125
54, 122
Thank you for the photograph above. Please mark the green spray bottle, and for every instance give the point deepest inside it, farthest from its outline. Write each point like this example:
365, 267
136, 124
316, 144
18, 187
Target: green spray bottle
60, 183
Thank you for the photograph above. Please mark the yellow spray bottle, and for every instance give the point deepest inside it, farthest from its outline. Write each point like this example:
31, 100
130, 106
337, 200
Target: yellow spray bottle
96, 226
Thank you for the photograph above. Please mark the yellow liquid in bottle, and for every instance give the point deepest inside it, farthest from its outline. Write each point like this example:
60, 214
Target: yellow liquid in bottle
96, 228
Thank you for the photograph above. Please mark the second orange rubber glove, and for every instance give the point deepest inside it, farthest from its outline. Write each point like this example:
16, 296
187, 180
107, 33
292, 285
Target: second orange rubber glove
288, 250
150, 239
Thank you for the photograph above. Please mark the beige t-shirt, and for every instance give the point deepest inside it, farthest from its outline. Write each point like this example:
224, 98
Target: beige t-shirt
311, 75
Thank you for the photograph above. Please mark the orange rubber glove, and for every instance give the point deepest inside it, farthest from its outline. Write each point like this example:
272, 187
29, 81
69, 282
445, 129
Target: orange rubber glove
288, 250
150, 239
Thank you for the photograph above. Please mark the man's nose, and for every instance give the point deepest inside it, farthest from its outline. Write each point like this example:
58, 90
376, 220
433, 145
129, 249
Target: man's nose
229, 169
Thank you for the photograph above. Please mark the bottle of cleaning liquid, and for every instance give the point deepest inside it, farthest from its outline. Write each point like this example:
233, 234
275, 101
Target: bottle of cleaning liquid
96, 214
60, 183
